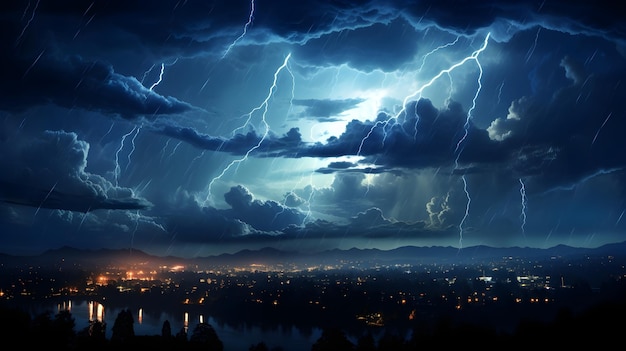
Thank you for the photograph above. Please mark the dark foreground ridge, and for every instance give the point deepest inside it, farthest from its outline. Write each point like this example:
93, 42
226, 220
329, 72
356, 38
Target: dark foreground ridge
598, 326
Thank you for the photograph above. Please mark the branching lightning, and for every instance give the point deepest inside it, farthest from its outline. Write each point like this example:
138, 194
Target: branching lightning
522, 191
245, 30
173, 150
161, 72
440, 47
32, 16
532, 49
117, 170
132, 142
263, 106
416, 95
458, 150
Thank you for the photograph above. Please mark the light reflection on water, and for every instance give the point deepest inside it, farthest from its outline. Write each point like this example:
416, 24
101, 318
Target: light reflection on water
151, 323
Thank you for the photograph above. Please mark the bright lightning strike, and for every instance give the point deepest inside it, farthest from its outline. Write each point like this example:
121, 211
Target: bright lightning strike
416, 95
473, 56
440, 47
160, 77
117, 170
522, 191
264, 106
132, 150
245, 30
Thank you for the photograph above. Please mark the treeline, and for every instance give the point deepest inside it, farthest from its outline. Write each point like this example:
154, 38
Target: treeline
601, 324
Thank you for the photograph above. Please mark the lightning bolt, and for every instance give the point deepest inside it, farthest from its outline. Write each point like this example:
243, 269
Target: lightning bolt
263, 106
243, 34
161, 72
117, 169
107, 133
309, 201
132, 150
522, 191
440, 47
532, 49
32, 16
194, 160
132, 235
160, 77
458, 149
417, 94
173, 150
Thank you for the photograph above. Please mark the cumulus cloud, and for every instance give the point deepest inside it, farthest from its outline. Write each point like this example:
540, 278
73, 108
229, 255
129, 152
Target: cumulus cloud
262, 215
49, 171
503, 128
74, 82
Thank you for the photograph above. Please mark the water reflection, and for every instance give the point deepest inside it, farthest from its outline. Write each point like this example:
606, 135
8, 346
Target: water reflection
150, 322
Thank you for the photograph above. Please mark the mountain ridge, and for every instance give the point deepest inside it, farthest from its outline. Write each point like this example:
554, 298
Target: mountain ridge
268, 256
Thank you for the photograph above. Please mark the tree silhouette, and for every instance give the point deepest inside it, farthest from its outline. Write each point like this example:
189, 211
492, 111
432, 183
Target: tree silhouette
92, 337
41, 329
166, 330
204, 337
63, 328
366, 343
181, 336
259, 347
14, 324
123, 329
332, 339
390, 342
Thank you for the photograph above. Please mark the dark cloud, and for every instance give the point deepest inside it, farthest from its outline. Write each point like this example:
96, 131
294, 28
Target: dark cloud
573, 136
262, 215
422, 137
239, 144
326, 110
380, 46
75, 83
49, 171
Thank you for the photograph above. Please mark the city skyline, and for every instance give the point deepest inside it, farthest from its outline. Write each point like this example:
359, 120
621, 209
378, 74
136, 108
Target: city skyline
194, 128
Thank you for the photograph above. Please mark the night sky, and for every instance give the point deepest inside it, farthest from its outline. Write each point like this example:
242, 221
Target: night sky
194, 128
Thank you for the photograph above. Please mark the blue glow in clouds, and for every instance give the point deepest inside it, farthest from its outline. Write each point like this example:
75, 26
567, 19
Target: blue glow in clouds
266, 127
413, 123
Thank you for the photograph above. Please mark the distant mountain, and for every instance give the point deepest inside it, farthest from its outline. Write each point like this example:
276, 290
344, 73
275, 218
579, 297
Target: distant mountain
69, 256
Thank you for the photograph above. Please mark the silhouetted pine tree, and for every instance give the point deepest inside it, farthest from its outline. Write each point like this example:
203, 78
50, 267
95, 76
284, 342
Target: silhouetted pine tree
332, 339
123, 329
204, 337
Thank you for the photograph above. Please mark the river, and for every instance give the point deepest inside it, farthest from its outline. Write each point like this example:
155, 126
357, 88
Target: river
150, 322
